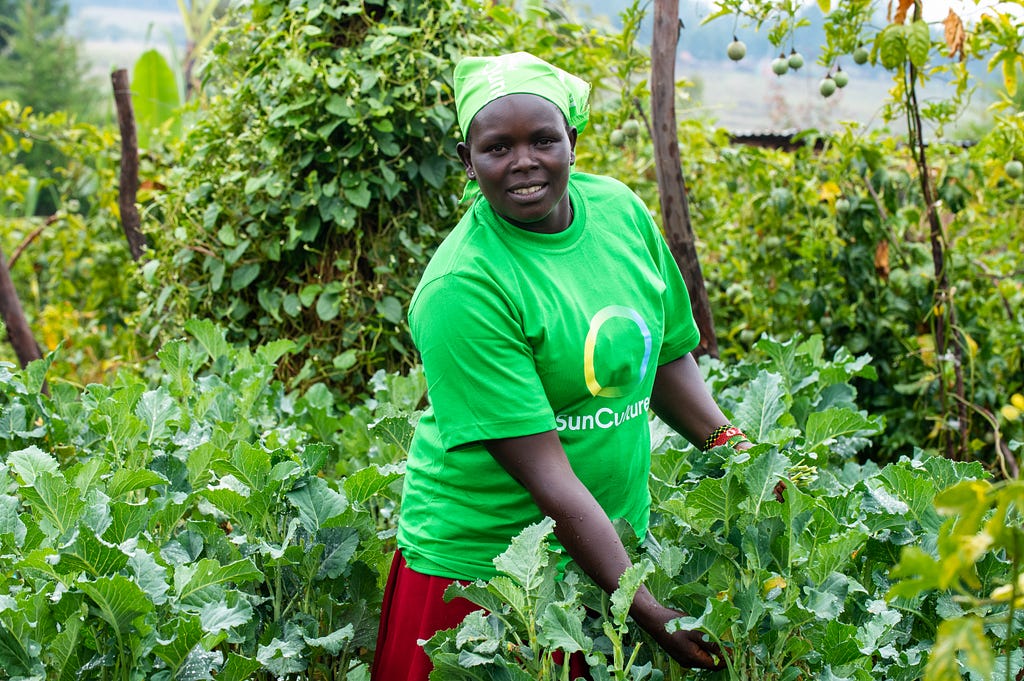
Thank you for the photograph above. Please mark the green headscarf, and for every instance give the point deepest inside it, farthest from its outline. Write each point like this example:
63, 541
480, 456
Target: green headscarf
481, 80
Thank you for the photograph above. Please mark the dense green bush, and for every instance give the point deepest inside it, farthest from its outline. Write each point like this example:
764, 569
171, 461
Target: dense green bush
832, 241
316, 181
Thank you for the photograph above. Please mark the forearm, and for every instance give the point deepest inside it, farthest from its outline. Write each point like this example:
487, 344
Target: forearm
539, 463
581, 524
590, 539
681, 399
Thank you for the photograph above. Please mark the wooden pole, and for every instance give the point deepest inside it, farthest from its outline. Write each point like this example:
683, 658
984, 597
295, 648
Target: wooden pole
25, 346
675, 209
129, 163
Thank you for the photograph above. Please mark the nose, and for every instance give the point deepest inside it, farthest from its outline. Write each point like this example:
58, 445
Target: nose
523, 157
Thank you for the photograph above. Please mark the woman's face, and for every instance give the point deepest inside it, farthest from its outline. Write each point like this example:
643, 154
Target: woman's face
519, 150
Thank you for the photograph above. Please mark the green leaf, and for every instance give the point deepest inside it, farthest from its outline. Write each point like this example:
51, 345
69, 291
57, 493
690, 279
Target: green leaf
713, 500
917, 572
219, 616
154, 94
964, 635
54, 500
185, 634
191, 582
283, 657
827, 600
561, 628
35, 373
368, 482
390, 309
762, 406
359, 195
63, 648
179, 363
527, 556
317, 503
761, 476
244, 275
919, 43
434, 169
346, 360
199, 664
275, 350
156, 409
333, 643
629, 583
92, 556
328, 305
891, 44
717, 618
340, 545
396, 431
210, 337
149, 575
238, 668
119, 600
823, 427
30, 462
15, 659
10, 523
128, 480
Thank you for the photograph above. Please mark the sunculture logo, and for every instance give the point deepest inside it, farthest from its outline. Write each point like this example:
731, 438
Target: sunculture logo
604, 417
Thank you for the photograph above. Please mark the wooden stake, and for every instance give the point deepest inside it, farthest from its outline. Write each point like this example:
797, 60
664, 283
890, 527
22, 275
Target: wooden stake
129, 163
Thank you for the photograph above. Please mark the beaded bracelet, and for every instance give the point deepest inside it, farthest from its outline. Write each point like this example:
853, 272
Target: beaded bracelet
721, 435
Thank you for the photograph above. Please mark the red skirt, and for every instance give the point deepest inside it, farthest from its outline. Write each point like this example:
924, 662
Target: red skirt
414, 609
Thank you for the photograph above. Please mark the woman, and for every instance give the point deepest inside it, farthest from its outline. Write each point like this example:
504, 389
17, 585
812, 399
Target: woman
549, 321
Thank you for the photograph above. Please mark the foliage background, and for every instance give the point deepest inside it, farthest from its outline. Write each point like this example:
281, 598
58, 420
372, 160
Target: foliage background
316, 176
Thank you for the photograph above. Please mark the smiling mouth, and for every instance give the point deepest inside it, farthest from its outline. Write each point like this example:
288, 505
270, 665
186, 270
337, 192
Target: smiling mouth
526, 191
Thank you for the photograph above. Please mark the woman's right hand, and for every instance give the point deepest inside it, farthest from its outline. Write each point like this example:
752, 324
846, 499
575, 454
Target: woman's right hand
688, 648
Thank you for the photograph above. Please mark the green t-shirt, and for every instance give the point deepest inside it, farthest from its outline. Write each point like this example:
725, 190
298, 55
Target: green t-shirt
522, 333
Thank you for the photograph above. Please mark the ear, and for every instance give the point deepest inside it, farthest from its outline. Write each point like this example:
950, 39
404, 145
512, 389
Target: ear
573, 134
463, 150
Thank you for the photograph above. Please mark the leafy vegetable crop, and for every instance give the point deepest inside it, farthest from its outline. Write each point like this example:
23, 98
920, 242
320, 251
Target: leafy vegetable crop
182, 528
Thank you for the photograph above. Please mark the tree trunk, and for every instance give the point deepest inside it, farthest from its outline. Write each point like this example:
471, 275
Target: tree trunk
129, 163
25, 346
675, 209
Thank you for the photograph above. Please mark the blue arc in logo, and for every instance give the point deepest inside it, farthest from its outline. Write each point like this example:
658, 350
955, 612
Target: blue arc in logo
589, 372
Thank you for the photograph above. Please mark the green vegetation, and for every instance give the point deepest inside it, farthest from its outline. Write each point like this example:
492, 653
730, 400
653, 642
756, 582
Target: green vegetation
210, 486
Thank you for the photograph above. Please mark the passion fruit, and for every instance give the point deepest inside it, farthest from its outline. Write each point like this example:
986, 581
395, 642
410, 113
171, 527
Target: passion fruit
827, 86
796, 60
841, 78
1014, 169
737, 49
860, 55
780, 65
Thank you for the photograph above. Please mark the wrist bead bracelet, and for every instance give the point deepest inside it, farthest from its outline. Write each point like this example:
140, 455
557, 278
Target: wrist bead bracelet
720, 435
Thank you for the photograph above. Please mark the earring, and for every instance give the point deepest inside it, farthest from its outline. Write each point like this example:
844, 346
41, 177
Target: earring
470, 173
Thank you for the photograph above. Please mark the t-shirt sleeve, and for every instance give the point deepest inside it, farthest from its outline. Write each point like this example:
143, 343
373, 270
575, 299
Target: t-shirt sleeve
681, 333
481, 376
